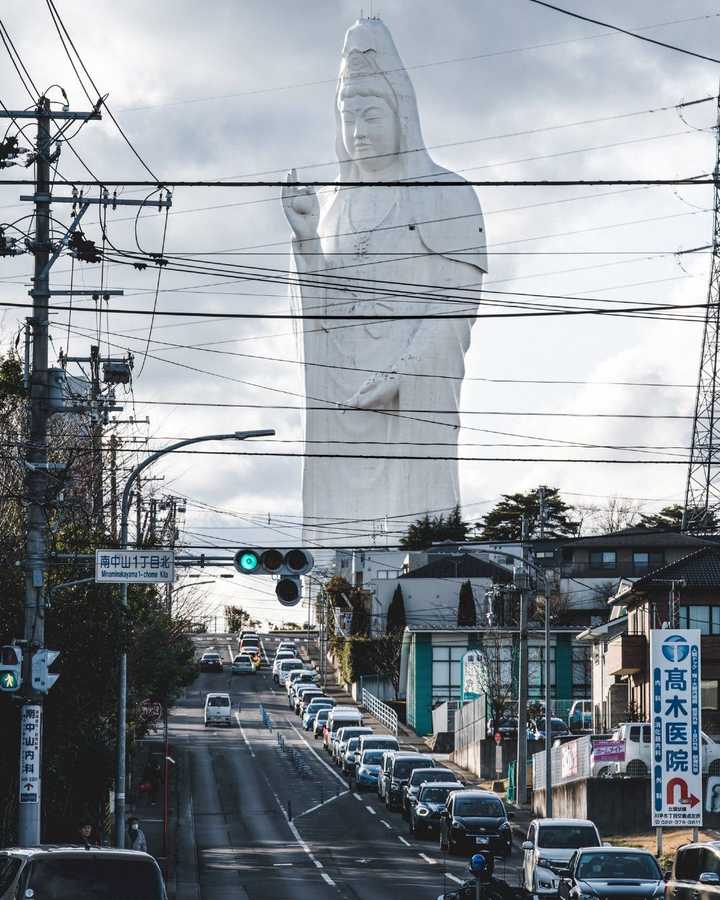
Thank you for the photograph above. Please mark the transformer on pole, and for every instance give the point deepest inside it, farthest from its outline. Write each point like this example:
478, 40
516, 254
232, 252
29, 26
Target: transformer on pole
702, 494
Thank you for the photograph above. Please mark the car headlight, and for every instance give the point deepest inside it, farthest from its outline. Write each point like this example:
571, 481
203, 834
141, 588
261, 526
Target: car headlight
544, 883
422, 811
544, 863
458, 826
586, 896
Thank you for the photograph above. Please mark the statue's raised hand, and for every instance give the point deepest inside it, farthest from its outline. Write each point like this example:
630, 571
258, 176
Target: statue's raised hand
302, 208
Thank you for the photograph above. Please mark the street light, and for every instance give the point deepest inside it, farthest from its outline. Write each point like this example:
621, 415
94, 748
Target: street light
121, 736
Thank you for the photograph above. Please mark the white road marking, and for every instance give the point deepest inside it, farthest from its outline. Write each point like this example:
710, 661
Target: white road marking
428, 859
318, 758
312, 808
357, 797
402, 839
371, 810
386, 824
262, 647
244, 736
280, 865
454, 878
230, 652
327, 878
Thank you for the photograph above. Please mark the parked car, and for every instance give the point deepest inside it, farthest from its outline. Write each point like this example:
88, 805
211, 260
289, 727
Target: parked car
508, 727
473, 821
301, 690
319, 722
210, 662
636, 737
218, 709
398, 775
580, 716
610, 873
308, 676
378, 742
431, 801
695, 872
243, 664
71, 873
350, 757
558, 729
340, 717
547, 849
282, 667
306, 698
368, 769
418, 778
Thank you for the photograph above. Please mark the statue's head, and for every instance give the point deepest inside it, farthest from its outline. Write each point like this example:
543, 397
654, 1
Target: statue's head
376, 112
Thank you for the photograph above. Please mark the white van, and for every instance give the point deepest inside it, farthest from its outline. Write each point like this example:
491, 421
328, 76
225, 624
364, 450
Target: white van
340, 717
217, 709
284, 667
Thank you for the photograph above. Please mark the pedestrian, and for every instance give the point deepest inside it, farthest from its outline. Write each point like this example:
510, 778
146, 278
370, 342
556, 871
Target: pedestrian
136, 836
85, 834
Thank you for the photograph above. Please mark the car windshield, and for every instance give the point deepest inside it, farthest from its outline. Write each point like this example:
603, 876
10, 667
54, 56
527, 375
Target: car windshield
618, 865
478, 806
211, 657
403, 767
94, 878
372, 757
353, 743
370, 743
566, 837
322, 715
420, 777
218, 701
435, 794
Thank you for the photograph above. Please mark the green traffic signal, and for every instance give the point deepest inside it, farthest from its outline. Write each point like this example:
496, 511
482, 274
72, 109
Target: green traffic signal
8, 681
248, 561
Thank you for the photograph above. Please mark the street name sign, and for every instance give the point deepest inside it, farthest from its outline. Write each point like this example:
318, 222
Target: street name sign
30, 737
149, 566
676, 752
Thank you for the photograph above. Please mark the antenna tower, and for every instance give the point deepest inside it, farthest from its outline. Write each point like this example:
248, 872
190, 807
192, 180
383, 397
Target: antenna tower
702, 494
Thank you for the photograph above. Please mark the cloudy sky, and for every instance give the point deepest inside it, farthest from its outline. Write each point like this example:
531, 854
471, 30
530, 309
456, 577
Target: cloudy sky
509, 90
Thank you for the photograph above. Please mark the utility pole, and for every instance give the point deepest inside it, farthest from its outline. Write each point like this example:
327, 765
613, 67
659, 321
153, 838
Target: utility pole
541, 495
113, 487
522, 582
548, 713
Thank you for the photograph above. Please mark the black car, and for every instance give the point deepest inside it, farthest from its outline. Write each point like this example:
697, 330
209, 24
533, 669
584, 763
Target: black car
401, 769
70, 873
611, 872
695, 872
475, 821
431, 801
417, 780
210, 662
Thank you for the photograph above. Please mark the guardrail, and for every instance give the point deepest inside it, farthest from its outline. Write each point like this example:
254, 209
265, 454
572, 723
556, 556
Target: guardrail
382, 712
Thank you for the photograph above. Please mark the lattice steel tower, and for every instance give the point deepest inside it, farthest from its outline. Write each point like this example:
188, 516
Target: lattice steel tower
702, 494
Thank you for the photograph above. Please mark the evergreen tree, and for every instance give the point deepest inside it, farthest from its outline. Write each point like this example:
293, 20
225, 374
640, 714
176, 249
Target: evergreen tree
670, 519
427, 531
504, 521
467, 615
396, 620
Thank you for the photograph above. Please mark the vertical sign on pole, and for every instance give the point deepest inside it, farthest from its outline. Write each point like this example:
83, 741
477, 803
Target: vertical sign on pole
675, 714
30, 738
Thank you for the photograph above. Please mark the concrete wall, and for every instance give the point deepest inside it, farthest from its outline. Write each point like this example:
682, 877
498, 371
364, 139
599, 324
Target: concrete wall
479, 757
428, 601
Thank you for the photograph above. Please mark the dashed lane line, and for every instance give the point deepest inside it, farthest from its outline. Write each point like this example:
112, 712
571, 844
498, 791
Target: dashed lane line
428, 859
371, 810
358, 797
386, 824
327, 878
244, 736
454, 878
403, 841
318, 806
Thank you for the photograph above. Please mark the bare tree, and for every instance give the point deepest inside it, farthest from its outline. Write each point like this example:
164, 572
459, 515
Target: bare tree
616, 514
496, 681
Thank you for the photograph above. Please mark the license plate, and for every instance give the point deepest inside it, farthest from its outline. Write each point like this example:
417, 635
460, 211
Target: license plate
482, 841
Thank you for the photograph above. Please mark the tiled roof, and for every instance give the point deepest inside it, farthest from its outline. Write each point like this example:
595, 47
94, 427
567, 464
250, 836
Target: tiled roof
700, 569
639, 537
463, 565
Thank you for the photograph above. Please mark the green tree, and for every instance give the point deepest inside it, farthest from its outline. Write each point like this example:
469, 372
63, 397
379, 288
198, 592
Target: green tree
427, 531
504, 521
396, 619
236, 618
467, 614
670, 518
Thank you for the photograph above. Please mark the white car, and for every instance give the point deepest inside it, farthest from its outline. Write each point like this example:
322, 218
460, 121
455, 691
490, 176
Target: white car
548, 847
304, 676
636, 736
243, 665
283, 667
287, 645
218, 709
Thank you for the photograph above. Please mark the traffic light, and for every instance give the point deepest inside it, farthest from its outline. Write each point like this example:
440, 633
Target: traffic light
42, 680
288, 565
10, 668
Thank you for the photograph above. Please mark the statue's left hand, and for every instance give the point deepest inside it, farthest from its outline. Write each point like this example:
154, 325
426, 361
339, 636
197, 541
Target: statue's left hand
378, 392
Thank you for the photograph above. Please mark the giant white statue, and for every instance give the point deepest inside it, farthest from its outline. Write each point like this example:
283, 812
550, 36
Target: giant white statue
381, 388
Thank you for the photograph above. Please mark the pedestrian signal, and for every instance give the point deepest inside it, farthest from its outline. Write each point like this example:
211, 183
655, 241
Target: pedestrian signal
10, 668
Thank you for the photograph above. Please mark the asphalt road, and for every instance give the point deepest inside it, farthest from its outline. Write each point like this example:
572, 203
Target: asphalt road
238, 788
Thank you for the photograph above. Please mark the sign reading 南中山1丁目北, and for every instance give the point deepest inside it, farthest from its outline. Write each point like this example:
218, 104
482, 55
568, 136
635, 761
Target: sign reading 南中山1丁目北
676, 760
135, 566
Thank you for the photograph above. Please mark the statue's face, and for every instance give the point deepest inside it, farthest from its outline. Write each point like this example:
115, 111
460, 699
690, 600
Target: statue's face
370, 131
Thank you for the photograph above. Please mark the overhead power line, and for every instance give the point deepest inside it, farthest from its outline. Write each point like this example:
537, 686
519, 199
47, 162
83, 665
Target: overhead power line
633, 34
429, 182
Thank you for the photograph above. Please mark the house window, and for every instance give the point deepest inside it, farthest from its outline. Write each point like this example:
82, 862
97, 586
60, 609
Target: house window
536, 670
709, 694
544, 554
446, 667
641, 560
603, 559
581, 672
706, 618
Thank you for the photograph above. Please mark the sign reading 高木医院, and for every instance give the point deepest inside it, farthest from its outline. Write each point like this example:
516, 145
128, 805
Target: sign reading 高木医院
676, 761
148, 566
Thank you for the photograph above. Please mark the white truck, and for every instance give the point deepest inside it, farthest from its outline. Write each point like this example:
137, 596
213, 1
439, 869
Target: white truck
636, 736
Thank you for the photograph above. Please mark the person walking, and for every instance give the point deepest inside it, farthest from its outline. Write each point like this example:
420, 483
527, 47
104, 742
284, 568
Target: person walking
136, 836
